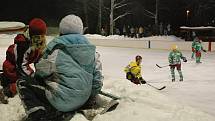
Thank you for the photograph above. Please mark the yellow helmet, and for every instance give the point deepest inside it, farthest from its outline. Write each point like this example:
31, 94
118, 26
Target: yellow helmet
174, 47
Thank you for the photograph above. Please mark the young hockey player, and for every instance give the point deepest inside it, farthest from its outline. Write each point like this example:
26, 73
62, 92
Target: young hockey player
174, 58
133, 71
198, 48
19, 56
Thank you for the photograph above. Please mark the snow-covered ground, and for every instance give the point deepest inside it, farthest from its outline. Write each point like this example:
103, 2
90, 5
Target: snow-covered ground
191, 100
10, 24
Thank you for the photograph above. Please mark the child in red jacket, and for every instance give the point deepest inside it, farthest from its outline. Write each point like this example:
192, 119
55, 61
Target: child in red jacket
20, 55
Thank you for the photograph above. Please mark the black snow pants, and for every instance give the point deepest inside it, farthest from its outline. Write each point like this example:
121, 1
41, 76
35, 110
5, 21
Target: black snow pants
37, 107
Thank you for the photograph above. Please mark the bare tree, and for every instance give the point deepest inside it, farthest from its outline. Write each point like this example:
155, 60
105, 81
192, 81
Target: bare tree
200, 10
114, 6
153, 15
100, 16
85, 12
84, 8
156, 17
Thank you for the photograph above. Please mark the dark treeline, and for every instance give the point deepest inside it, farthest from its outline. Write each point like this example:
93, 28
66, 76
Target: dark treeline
201, 12
24, 10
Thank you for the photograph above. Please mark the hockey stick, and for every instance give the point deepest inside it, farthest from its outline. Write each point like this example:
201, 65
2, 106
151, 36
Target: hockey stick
161, 66
156, 87
109, 95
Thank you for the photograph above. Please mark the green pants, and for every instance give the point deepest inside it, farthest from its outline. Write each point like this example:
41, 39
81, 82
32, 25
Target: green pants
172, 69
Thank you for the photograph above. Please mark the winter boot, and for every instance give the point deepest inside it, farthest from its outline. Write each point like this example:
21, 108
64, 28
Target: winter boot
37, 116
64, 117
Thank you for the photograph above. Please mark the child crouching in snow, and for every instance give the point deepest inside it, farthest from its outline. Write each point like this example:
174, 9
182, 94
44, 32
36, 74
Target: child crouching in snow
68, 75
133, 71
25, 51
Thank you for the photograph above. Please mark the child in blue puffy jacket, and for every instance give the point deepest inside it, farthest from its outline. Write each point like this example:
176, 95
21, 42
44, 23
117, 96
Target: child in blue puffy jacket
67, 76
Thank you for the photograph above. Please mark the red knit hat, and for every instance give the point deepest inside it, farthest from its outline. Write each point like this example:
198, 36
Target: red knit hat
37, 27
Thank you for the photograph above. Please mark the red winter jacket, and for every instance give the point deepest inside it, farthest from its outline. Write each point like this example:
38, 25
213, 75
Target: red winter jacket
19, 56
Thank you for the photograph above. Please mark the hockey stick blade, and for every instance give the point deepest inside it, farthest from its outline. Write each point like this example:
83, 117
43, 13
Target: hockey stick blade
156, 87
162, 66
162, 88
158, 66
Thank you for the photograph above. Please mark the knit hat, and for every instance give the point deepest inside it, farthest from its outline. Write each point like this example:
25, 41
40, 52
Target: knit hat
71, 24
37, 27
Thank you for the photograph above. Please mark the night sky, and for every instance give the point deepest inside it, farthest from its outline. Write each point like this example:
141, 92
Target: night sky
201, 12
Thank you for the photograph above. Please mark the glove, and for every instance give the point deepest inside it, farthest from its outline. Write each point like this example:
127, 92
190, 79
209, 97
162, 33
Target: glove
184, 59
204, 50
142, 80
136, 81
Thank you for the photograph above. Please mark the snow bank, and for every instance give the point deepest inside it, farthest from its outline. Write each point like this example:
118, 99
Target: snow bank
139, 103
11, 24
152, 38
13, 111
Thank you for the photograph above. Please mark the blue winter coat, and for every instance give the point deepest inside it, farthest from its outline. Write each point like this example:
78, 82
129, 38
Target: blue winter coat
71, 71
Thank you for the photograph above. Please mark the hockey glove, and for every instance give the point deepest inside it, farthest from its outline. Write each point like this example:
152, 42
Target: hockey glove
184, 59
142, 80
136, 81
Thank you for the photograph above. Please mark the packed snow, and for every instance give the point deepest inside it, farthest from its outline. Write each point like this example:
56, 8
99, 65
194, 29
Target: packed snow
11, 24
190, 100
198, 28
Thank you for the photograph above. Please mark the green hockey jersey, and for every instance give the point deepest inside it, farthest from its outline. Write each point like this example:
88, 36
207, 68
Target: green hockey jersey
175, 57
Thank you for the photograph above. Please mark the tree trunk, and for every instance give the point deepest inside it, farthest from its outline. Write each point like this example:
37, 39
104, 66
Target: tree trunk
156, 17
100, 16
85, 13
111, 17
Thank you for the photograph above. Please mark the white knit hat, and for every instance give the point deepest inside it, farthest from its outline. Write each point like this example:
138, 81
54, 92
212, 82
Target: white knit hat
71, 24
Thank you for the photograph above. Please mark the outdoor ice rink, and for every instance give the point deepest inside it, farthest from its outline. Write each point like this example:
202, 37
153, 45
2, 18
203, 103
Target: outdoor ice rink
190, 100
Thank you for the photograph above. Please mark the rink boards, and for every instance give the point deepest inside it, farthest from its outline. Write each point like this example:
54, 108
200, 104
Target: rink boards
6, 40
150, 44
